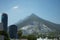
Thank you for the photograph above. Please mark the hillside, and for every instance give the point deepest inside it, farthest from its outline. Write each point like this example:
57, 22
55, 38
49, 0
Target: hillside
34, 24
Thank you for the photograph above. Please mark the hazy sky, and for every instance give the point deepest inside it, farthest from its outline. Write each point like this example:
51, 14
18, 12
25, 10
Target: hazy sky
20, 9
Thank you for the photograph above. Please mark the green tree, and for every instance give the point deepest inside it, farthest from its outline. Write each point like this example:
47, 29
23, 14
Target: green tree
24, 36
6, 35
32, 37
20, 33
51, 35
41, 35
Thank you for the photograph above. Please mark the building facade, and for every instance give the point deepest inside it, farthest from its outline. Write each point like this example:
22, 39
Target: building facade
4, 20
1, 26
13, 31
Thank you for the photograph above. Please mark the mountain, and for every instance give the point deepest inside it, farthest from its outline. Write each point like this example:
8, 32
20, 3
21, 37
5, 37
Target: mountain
36, 25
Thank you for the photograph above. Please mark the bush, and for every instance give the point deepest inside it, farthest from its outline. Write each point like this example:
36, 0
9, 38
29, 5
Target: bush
32, 37
6, 36
20, 33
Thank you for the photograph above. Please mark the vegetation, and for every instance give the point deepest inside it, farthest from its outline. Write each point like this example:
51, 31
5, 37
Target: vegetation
20, 33
32, 37
29, 37
25, 37
6, 36
50, 35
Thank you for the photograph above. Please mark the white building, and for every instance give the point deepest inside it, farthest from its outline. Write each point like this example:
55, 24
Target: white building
46, 39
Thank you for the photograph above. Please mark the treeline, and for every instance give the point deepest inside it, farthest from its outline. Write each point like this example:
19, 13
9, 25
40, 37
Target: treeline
50, 35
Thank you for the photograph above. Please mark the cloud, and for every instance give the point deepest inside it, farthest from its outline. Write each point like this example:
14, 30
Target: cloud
15, 7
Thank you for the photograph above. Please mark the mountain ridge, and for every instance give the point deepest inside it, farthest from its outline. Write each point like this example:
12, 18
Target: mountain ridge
41, 21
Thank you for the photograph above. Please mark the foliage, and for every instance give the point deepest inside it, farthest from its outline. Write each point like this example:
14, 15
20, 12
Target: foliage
6, 36
41, 35
25, 37
51, 35
20, 33
32, 37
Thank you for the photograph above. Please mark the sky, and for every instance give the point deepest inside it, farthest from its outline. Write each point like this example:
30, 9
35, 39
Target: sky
17, 10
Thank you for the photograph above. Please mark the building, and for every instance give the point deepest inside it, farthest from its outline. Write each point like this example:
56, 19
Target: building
4, 20
1, 30
1, 27
1, 37
13, 31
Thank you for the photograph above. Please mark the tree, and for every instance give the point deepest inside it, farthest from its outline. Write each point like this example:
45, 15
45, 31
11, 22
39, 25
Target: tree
6, 35
32, 37
42, 35
51, 35
20, 33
